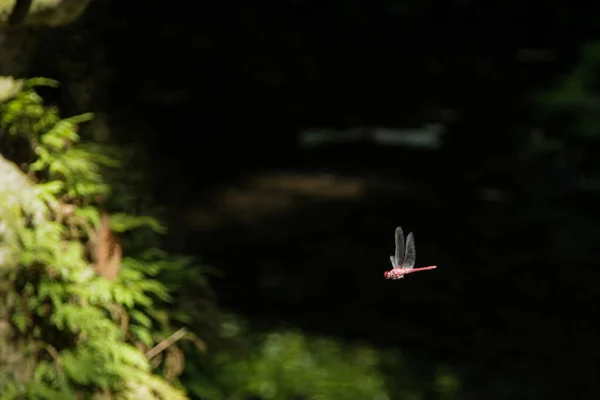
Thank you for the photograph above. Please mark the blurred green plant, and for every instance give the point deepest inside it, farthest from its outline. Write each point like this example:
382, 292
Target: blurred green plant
559, 163
41, 12
576, 95
288, 365
65, 332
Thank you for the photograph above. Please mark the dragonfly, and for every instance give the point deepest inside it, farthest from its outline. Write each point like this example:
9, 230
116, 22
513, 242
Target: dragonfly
403, 261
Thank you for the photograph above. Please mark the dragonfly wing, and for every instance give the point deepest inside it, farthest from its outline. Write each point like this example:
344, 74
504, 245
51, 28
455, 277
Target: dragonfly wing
399, 254
410, 255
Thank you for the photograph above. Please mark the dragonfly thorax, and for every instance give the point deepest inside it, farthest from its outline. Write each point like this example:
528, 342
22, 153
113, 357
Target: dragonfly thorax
396, 273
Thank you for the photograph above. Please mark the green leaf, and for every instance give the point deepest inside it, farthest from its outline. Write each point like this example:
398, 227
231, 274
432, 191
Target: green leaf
51, 188
141, 318
142, 334
33, 82
121, 222
20, 320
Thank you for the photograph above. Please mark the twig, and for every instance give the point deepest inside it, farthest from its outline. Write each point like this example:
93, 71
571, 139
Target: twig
166, 343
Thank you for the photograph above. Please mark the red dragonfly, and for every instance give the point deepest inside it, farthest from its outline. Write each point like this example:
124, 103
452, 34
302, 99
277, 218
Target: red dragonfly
403, 261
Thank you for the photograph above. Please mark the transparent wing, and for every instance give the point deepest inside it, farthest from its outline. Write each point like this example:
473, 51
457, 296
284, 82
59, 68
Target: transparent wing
410, 255
399, 254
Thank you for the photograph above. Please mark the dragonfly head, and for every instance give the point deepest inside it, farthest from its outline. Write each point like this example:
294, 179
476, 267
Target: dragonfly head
386, 274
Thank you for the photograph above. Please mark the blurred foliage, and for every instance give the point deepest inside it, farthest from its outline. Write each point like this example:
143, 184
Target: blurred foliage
41, 12
568, 110
65, 331
287, 365
563, 177
576, 95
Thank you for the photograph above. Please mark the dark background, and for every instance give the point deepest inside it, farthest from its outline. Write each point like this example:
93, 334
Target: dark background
218, 93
